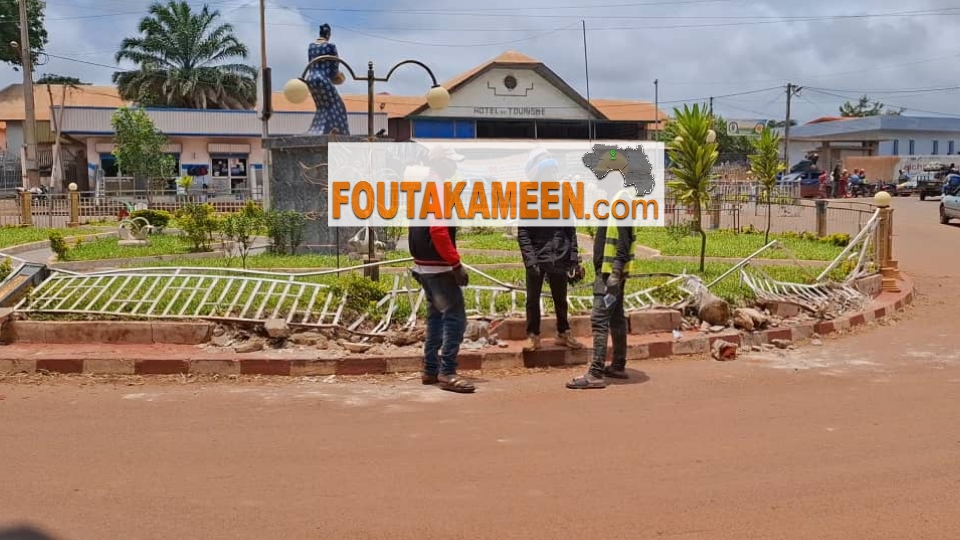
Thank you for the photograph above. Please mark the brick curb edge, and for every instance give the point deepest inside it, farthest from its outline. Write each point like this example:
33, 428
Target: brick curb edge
651, 346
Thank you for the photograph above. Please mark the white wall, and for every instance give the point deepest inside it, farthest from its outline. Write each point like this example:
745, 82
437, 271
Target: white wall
14, 136
533, 98
923, 144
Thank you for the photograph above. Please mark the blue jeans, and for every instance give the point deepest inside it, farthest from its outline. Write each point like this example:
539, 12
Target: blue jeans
446, 323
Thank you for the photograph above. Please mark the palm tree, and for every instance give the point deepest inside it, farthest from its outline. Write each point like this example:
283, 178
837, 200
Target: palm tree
181, 57
693, 153
765, 164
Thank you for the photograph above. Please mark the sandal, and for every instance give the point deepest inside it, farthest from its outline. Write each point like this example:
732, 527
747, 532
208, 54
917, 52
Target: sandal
429, 379
455, 383
586, 382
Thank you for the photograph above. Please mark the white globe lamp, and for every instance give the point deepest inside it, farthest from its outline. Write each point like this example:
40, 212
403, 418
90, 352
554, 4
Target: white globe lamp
72, 186
438, 98
296, 91
711, 136
881, 199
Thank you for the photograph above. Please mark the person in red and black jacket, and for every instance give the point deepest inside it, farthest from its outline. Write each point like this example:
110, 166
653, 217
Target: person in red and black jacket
438, 270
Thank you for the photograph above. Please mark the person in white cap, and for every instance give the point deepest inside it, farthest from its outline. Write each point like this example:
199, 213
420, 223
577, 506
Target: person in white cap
549, 254
437, 268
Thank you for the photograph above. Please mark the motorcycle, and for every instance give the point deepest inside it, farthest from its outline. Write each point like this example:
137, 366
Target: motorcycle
862, 189
38, 194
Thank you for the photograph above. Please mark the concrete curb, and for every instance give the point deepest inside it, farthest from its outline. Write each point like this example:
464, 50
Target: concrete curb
185, 359
45, 244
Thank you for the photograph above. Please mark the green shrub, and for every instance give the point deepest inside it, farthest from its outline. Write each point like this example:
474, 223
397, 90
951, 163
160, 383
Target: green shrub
362, 293
838, 239
285, 229
6, 268
198, 223
58, 245
158, 219
242, 227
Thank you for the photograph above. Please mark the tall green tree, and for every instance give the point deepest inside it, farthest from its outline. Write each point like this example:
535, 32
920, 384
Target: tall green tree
864, 107
53, 78
10, 30
780, 123
139, 148
693, 152
726, 144
186, 59
765, 164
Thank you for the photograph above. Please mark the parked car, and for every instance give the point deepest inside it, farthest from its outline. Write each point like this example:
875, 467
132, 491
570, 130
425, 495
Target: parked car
806, 174
808, 181
952, 181
950, 205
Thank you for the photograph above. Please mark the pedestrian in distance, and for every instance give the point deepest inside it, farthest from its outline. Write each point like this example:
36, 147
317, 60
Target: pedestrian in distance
437, 268
549, 254
613, 253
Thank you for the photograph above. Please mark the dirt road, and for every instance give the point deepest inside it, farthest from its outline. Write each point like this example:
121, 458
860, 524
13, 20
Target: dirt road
858, 438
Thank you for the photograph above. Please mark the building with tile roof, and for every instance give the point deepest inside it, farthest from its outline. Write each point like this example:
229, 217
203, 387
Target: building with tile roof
512, 96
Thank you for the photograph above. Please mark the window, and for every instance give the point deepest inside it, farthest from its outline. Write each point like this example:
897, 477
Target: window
174, 172
936, 147
229, 173
912, 144
896, 147
108, 162
950, 149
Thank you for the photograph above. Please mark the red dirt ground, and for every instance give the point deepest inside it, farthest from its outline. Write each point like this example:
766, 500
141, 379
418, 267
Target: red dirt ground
857, 438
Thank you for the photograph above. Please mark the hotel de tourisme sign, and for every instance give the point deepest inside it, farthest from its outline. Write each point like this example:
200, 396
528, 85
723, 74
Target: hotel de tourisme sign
523, 112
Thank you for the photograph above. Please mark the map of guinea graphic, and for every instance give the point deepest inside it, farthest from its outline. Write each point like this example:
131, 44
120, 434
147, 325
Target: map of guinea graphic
632, 163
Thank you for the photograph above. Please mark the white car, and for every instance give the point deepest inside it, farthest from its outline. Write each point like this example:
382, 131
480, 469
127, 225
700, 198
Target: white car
950, 205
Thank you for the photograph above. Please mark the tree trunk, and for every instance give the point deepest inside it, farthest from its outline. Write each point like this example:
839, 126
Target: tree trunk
766, 235
697, 220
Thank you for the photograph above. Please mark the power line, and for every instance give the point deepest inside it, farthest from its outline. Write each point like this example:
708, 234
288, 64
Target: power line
521, 8
901, 91
894, 105
511, 13
629, 104
737, 20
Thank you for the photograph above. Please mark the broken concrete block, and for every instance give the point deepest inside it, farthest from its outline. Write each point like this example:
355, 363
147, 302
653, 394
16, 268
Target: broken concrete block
276, 328
724, 351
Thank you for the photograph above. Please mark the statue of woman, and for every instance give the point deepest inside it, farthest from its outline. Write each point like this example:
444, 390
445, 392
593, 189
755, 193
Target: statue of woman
321, 78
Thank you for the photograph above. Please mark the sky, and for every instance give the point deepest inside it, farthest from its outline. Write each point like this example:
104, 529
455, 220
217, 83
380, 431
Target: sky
741, 52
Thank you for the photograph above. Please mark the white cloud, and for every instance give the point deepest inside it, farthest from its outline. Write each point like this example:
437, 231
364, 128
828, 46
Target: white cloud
692, 58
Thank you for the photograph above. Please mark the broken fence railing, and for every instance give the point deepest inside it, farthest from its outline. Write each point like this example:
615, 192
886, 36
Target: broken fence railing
238, 295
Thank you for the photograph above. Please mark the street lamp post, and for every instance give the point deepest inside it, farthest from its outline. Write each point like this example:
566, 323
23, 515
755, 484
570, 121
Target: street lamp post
297, 91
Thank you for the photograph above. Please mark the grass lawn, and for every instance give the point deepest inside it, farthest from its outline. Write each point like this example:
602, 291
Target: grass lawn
108, 248
487, 240
725, 243
309, 261
14, 236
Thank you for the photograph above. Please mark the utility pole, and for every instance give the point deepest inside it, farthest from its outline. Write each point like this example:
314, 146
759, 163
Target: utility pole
266, 105
792, 90
711, 107
656, 107
31, 170
586, 70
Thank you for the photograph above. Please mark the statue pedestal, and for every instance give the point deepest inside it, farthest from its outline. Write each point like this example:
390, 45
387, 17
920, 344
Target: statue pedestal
298, 182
